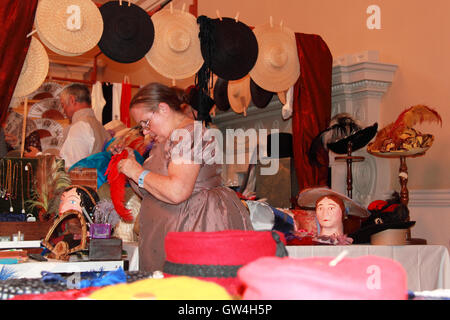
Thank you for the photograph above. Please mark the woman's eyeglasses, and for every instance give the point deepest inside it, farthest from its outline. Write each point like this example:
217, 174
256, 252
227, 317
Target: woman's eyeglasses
145, 124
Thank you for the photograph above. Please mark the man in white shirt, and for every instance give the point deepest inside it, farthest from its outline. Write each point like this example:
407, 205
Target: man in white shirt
86, 135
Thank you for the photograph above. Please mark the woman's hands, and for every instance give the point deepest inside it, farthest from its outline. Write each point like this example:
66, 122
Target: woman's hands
129, 166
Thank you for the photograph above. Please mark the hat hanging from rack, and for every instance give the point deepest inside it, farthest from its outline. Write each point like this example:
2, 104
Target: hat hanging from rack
175, 52
234, 49
68, 27
239, 96
260, 96
221, 94
34, 69
128, 31
278, 66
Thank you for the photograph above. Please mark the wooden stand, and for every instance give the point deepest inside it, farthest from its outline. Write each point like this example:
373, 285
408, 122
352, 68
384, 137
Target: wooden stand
349, 159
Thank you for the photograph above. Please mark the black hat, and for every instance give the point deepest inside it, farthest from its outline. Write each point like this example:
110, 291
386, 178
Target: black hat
128, 32
229, 48
384, 215
285, 145
260, 97
359, 139
221, 94
201, 102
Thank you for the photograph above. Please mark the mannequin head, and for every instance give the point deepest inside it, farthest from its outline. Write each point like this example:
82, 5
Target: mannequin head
330, 212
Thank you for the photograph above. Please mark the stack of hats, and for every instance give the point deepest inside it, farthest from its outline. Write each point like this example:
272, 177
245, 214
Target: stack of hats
217, 256
387, 224
324, 278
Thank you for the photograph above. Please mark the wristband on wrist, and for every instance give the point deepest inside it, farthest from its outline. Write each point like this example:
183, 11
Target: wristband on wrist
142, 177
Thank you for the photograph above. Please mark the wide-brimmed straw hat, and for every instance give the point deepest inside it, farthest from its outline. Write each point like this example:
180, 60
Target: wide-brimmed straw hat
128, 32
260, 96
278, 66
34, 69
69, 27
239, 95
175, 52
234, 49
308, 198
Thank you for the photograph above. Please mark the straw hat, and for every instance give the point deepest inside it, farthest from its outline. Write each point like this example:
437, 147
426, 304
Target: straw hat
239, 94
128, 34
175, 52
69, 27
34, 69
278, 66
309, 196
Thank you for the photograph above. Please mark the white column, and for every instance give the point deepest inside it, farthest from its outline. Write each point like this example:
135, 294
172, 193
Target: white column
359, 83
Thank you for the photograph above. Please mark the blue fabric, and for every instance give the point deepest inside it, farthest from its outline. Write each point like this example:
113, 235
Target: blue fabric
100, 161
112, 277
283, 222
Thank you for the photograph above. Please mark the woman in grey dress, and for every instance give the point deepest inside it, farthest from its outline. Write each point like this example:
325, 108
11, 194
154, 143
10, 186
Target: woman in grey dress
178, 194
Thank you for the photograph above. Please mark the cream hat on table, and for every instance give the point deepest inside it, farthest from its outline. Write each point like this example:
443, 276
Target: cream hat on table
34, 69
175, 52
239, 94
69, 27
277, 67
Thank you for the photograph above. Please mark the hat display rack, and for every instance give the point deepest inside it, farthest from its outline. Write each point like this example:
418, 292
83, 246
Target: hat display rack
172, 37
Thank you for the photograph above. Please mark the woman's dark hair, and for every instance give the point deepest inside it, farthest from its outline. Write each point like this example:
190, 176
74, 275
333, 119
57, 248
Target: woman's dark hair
153, 93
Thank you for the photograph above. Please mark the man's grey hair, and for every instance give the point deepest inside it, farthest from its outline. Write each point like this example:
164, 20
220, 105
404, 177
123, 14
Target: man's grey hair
79, 91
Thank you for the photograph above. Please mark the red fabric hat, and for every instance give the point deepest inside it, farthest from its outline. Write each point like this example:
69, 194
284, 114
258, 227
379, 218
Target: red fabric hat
217, 256
362, 278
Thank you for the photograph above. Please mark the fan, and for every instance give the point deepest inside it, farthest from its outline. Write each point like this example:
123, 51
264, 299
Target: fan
14, 124
48, 128
49, 108
46, 90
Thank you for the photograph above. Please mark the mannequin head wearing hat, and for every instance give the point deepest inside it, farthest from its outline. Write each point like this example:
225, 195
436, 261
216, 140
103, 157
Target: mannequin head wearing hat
75, 97
330, 211
159, 110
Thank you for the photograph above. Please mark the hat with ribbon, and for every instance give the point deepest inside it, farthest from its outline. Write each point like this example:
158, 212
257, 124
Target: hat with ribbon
229, 47
128, 32
34, 69
220, 93
278, 66
308, 197
260, 96
384, 215
217, 256
239, 95
175, 52
324, 278
69, 27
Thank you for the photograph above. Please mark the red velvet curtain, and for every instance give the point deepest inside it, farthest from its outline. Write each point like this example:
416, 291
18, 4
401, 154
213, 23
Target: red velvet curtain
16, 21
311, 107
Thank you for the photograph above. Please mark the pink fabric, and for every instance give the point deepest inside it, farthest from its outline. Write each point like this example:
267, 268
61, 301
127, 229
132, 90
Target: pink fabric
362, 278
